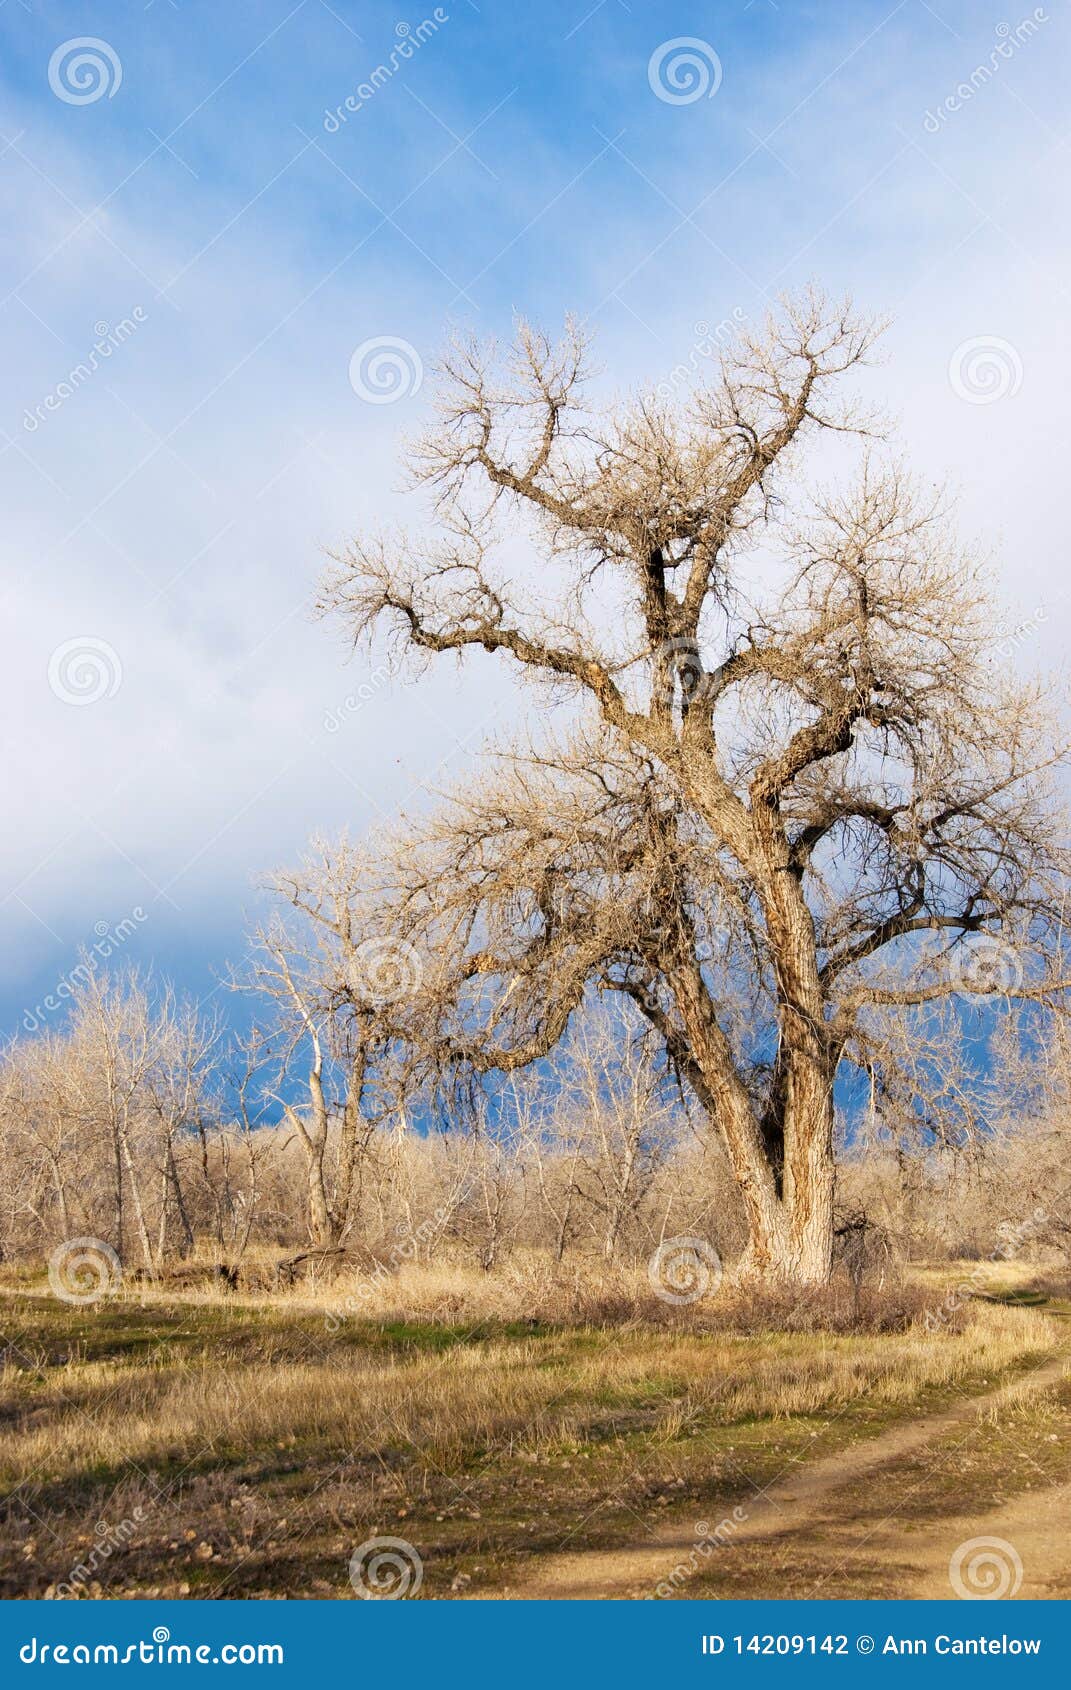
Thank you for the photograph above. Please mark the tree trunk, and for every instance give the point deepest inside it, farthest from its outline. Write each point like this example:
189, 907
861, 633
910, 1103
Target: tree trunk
313, 1136
61, 1193
791, 1236
783, 1166
321, 1221
135, 1197
175, 1181
809, 1173
118, 1216
798, 1130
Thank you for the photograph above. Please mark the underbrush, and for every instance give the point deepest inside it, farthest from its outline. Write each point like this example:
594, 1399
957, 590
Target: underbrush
531, 1289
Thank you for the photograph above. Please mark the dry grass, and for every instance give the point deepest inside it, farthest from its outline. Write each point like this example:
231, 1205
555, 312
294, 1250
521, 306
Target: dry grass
531, 1287
486, 1395
261, 1445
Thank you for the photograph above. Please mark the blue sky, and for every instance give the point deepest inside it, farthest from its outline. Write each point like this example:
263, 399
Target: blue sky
167, 513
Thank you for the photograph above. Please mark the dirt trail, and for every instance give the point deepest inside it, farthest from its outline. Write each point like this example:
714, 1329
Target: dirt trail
1035, 1525
795, 1503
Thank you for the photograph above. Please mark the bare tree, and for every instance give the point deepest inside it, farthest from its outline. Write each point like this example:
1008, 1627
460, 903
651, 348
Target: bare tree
495, 1168
237, 1154
113, 1031
175, 1086
780, 814
103, 1110
612, 1104
329, 979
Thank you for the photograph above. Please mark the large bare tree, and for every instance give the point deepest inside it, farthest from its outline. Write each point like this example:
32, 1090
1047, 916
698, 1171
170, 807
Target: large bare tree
792, 791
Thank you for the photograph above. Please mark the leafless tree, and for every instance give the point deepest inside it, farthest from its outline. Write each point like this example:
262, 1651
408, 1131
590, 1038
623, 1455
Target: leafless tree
101, 1111
184, 1053
495, 1170
612, 1105
328, 979
774, 813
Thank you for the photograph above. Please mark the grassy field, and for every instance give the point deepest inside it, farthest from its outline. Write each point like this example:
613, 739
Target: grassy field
177, 1447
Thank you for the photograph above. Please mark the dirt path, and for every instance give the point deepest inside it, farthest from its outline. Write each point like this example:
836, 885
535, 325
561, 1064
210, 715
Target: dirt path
1034, 1525
794, 1503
